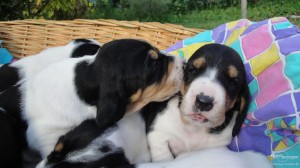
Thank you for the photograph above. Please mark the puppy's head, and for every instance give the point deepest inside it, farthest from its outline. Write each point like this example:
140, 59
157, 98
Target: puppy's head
132, 73
214, 86
85, 146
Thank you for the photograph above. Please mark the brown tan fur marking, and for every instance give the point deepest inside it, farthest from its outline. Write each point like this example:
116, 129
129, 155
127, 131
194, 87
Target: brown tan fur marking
58, 147
136, 96
153, 54
183, 88
232, 71
199, 63
158, 92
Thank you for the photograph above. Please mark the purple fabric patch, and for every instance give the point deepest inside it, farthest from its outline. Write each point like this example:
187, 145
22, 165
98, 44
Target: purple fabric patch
176, 46
255, 26
279, 107
218, 33
248, 73
297, 99
247, 140
289, 45
284, 33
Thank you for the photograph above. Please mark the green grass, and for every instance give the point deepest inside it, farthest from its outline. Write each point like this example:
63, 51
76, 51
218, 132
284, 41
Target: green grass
206, 19
210, 18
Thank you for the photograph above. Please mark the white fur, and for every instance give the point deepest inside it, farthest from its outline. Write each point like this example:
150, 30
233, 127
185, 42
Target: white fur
170, 133
31, 65
209, 86
220, 157
51, 105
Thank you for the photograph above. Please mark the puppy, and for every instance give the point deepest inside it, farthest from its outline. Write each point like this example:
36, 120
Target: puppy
122, 144
124, 76
14, 73
171, 132
11, 76
214, 92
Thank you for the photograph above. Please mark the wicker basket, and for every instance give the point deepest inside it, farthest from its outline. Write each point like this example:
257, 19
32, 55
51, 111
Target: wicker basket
27, 37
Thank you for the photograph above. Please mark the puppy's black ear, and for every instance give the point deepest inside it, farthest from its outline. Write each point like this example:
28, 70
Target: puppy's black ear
111, 107
241, 106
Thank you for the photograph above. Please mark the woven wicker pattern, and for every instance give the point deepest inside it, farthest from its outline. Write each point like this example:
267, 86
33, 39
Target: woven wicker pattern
27, 37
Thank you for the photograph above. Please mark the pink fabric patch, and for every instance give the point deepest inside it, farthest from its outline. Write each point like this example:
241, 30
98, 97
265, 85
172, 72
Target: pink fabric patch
243, 23
271, 83
256, 41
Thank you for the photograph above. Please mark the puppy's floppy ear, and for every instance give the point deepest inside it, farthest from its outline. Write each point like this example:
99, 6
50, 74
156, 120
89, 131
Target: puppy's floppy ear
110, 106
241, 106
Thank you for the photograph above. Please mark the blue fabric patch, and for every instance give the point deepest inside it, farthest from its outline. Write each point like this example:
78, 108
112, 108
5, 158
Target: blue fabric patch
5, 56
205, 36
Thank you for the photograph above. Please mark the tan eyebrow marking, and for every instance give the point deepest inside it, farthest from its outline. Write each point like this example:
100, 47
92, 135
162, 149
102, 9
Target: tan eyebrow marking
232, 71
153, 54
58, 147
198, 63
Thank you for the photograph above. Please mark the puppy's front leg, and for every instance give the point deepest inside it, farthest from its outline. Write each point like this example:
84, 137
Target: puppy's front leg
159, 146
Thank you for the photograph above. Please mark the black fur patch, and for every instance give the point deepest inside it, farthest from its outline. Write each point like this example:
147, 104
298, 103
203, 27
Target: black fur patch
87, 86
9, 76
81, 40
85, 49
150, 112
12, 128
79, 138
120, 69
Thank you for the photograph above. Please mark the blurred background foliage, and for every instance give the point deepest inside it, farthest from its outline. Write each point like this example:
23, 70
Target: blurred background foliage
191, 13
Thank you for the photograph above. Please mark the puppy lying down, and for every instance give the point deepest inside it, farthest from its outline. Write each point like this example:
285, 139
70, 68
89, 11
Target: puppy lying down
191, 129
16, 72
104, 87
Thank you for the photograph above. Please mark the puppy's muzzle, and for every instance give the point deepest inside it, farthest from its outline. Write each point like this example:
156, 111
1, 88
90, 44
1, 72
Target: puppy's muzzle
204, 103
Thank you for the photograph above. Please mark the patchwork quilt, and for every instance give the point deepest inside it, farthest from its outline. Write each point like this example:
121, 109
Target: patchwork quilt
270, 50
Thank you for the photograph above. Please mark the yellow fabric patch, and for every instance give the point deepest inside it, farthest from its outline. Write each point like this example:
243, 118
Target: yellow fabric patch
264, 60
189, 50
233, 37
280, 146
283, 125
231, 25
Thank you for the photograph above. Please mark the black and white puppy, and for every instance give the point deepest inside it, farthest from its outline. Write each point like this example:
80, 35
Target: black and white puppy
122, 144
14, 73
206, 114
124, 76
213, 92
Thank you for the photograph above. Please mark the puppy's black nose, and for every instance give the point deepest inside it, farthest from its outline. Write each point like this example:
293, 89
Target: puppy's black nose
204, 103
